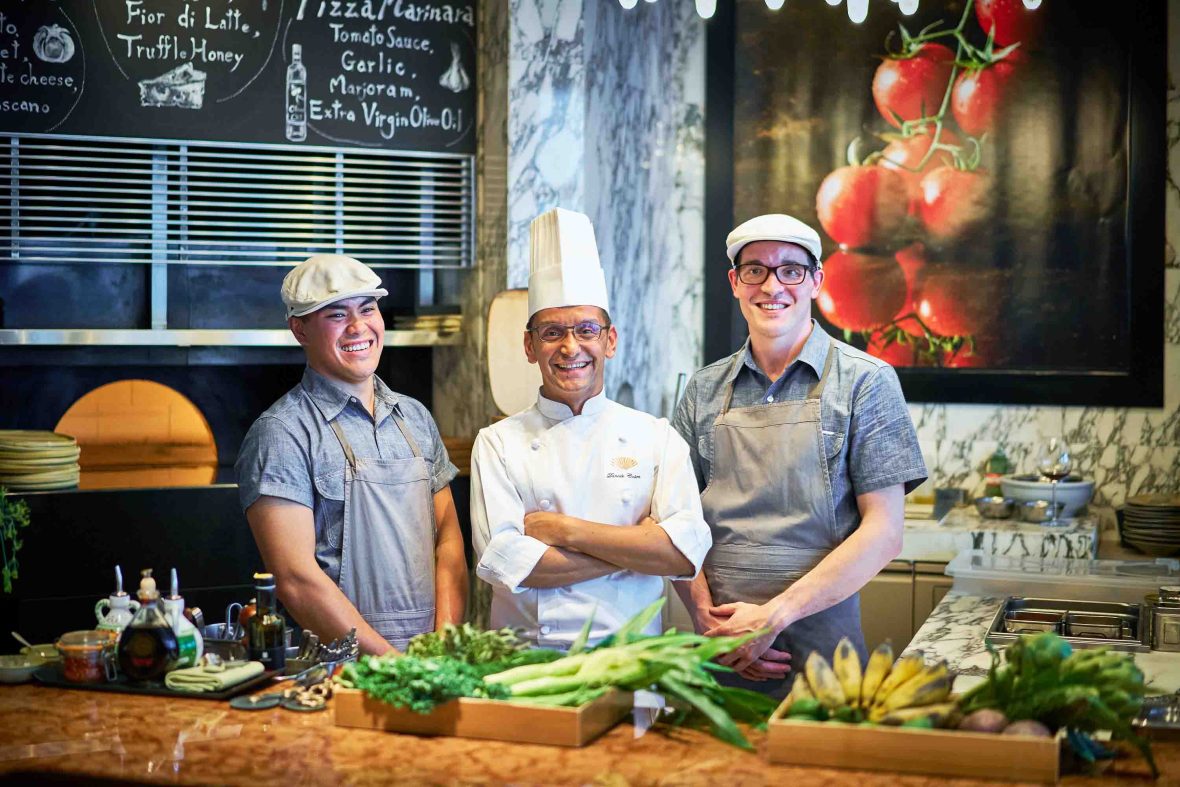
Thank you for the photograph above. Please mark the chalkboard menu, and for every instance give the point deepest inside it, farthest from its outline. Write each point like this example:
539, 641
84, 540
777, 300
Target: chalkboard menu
396, 74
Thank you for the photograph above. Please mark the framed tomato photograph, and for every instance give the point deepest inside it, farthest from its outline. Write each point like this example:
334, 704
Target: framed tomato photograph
987, 181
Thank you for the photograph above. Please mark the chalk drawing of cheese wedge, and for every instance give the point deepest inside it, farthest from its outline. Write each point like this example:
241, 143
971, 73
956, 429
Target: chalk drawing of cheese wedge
183, 86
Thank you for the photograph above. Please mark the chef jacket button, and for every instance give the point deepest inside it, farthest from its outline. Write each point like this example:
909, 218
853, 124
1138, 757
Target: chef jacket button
546, 505
770, 398
626, 497
536, 444
622, 439
544, 629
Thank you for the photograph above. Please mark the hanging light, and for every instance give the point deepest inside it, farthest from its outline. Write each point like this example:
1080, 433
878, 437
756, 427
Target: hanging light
908, 7
628, 4
775, 5
858, 10
705, 8
833, 2
1032, 5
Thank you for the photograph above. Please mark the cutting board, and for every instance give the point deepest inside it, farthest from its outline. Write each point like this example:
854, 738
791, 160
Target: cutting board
514, 381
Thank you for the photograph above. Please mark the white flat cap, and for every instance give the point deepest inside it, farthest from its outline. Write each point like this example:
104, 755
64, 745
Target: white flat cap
564, 269
774, 226
326, 278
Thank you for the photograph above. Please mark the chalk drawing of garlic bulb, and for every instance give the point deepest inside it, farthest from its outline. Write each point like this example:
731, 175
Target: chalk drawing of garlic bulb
53, 44
455, 79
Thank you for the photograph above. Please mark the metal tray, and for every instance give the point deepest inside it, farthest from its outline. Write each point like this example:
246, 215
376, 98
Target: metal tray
1084, 624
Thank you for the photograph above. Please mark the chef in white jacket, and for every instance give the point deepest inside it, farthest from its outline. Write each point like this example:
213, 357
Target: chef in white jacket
579, 506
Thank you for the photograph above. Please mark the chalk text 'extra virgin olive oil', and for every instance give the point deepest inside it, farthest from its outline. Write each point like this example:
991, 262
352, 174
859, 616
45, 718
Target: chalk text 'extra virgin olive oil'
267, 630
147, 646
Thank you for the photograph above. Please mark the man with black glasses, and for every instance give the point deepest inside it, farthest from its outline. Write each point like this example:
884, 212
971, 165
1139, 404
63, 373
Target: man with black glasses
804, 449
579, 505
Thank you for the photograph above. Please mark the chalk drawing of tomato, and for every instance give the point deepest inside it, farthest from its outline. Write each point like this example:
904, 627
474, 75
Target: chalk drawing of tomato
53, 44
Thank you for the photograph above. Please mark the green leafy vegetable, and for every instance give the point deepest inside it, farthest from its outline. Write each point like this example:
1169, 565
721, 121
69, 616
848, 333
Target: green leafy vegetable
1082, 692
420, 684
675, 664
14, 516
466, 643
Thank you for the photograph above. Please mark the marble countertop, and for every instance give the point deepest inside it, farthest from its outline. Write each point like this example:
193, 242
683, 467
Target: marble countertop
130, 738
956, 628
963, 528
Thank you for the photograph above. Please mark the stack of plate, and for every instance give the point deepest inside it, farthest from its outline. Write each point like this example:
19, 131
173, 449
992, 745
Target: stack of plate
31, 461
1151, 523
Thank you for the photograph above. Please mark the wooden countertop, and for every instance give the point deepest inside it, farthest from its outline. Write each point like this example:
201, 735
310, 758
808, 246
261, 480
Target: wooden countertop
130, 738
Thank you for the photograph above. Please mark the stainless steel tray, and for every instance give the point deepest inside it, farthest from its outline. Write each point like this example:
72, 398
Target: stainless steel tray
1084, 624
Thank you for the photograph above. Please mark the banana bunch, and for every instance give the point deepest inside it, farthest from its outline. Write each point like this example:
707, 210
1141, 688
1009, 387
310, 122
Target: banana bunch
907, 692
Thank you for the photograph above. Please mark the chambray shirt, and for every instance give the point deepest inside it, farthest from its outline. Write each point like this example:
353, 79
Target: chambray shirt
869, 439
291, 452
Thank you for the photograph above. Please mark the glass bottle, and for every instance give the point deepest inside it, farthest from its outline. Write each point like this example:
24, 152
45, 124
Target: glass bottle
996, 467
267, 630
296, 96
148, 646
190, 643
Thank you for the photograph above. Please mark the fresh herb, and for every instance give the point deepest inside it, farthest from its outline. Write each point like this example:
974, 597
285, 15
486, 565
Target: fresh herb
14, 517
466, 643
678, 665
1043, 679
420, 684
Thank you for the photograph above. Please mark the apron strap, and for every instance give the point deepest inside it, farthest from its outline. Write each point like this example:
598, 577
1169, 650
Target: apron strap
818, 389
348, 454
401, 424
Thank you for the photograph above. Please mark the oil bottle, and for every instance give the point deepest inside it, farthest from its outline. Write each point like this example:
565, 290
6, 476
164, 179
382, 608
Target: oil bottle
266, 630
148, 646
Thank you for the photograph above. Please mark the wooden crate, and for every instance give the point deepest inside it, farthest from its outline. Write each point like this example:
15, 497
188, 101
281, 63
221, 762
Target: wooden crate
904, 749
497, 720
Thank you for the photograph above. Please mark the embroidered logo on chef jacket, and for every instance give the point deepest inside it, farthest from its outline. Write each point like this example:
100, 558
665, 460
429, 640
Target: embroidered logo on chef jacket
623, 467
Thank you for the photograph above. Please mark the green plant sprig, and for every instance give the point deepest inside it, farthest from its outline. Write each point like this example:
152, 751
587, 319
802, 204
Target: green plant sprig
14, 517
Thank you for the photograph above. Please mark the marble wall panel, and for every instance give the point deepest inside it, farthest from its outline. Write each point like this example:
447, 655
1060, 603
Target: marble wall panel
462, 398
644, 176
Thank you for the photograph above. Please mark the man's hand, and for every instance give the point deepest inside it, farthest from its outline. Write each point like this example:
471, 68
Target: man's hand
741, 618
774, 665
547, 527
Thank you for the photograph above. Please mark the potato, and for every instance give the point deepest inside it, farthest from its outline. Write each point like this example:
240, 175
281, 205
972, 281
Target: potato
1028, 727
984, 720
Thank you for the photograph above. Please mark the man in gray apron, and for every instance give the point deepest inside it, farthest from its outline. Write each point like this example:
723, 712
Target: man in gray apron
804, 449
346, 483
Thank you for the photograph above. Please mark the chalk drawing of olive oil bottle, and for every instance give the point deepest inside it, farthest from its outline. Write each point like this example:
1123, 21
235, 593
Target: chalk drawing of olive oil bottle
296, 96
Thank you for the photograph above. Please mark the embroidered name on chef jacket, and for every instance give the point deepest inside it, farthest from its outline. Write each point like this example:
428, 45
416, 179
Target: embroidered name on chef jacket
623, 467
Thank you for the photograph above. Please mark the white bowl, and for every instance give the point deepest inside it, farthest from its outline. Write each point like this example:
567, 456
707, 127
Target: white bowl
1074, 491
17, 669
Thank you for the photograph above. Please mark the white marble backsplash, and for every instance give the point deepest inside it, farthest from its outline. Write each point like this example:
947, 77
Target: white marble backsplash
588, 106
644, 157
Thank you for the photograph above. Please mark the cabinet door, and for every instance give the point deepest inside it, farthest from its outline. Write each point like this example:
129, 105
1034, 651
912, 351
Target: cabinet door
928, 591
886, 610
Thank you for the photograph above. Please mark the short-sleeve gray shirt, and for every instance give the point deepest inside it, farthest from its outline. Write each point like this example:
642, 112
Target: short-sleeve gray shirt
291, 451
869, 439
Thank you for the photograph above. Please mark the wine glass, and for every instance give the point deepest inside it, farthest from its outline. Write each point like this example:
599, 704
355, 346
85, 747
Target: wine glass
1053, 462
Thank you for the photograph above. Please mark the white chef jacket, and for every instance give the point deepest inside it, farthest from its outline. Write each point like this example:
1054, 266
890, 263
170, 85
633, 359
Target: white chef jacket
612, 465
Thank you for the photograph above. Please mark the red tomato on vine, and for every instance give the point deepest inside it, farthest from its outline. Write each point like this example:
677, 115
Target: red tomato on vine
904, 155
980, 95
1011, 20
912, 86
861, 205
861, 291
955, 203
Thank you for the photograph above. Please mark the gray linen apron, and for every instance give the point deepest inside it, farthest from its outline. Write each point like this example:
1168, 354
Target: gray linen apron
770, 504
387, 550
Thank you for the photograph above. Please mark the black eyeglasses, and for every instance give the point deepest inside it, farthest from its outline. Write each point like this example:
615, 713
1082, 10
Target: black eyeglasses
756, 273
584, 332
